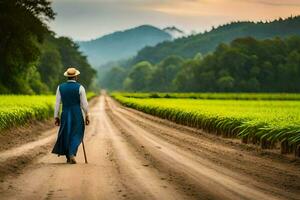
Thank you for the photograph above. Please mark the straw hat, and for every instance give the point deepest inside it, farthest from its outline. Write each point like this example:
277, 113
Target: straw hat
71, 72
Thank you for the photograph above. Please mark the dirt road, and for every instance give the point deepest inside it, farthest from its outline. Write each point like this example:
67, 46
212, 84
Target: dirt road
136, 156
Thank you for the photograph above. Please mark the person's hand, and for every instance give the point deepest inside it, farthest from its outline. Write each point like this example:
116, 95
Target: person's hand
87, 120
57, 121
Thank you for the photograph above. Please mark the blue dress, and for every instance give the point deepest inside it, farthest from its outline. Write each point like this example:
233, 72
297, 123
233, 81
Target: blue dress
72, 126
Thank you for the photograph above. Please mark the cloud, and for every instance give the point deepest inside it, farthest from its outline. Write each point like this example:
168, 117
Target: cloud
86, 19
286, 3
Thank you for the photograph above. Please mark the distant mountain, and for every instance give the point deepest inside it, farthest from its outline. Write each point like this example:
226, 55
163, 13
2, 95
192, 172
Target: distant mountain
174, 32
204, 43
122, 44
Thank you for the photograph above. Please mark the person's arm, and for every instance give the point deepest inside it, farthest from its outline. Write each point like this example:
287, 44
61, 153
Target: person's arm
84, 104
56, 108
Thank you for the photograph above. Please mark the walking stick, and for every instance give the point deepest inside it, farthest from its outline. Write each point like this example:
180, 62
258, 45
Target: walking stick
87, 121
84, 152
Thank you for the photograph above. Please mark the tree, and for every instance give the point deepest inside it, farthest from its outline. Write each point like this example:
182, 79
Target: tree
140, 76
244, 65
289, 73
71, 56
57, 54
50, 66
114, 78
225, 83
185, 80
164, 74
22, 28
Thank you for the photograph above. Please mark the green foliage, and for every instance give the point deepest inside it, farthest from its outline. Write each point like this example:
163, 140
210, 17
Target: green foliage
260, 122
71, 56
32, 60
236, 57
90, 95
185, 78
249, 65
18, 109
114, 78
164, 74
22, 28
225, 83
57, 55
204, 43
66, 54
141, 75
144, 76
244, 65
50, 65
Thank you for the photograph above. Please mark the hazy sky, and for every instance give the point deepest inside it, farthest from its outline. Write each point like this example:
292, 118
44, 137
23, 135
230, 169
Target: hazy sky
88, 19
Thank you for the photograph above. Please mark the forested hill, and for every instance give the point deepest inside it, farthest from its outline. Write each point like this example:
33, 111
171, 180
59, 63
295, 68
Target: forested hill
206, 42
122, 44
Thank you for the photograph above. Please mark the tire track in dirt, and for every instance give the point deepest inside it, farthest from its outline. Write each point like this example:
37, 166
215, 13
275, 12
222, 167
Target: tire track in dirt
135, 171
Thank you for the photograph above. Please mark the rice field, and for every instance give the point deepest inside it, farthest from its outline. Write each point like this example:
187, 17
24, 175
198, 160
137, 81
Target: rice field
268, 123
19, 109
225, 96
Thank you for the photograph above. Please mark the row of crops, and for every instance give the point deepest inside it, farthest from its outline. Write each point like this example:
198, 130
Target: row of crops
19, 109
268, 123
225, 96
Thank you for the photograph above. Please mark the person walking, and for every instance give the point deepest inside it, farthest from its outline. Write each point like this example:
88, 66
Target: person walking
72, 95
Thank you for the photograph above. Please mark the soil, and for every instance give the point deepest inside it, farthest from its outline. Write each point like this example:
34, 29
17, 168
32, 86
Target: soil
19, 135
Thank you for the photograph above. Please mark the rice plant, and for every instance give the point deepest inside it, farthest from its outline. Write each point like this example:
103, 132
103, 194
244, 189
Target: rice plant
263, 122
20, 109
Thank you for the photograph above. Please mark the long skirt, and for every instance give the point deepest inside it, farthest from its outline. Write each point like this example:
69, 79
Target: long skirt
71, 131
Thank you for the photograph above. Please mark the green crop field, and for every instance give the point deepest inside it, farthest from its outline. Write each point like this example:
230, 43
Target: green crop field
225, 96
264, 122
19, 109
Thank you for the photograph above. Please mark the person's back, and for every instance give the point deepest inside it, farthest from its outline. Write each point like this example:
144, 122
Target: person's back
69, 92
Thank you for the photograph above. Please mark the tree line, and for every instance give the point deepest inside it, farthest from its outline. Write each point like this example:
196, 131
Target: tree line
244, 65
206, 42
32, 58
